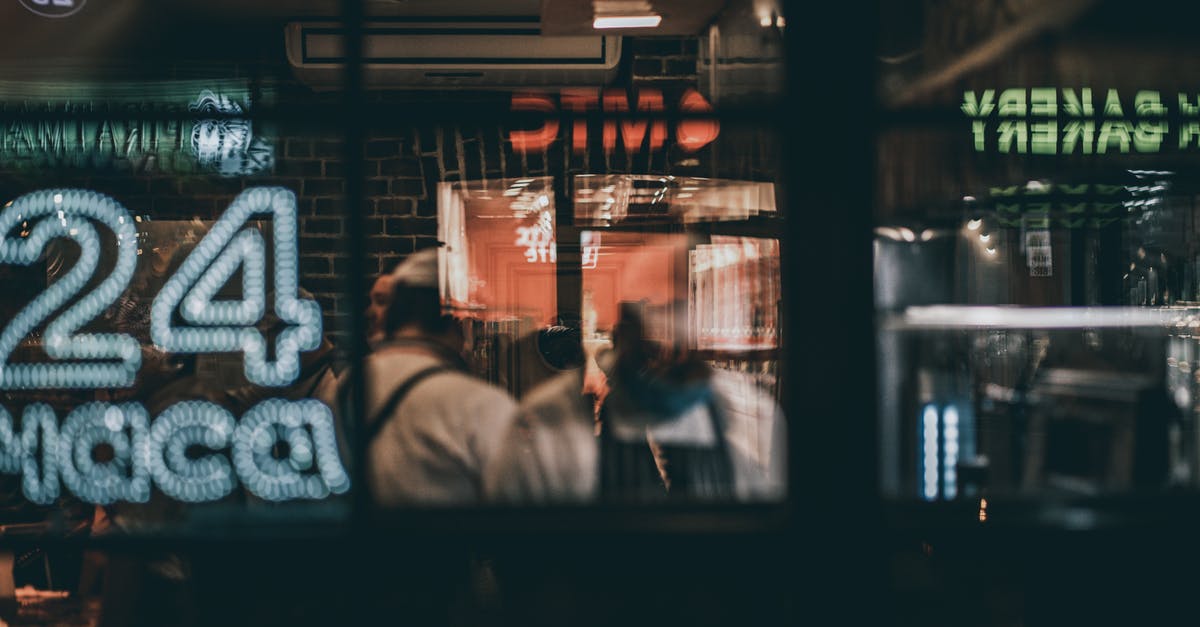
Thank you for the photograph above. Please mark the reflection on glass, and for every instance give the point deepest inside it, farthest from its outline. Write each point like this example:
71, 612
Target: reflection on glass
500, 252
1004, 402
662, 417
734, 293
118, 140
498, 273
605, 200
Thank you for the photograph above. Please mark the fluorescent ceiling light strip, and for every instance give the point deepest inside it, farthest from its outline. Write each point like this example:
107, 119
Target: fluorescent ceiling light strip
627, 21
952, 316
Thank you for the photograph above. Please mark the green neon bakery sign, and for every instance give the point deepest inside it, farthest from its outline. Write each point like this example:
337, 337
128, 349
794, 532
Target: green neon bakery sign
1053, 121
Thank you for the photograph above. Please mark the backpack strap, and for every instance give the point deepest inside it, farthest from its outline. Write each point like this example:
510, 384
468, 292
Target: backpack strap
375, 426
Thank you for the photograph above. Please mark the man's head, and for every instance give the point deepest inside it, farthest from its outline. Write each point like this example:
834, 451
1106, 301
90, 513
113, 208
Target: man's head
415, 307
655, 373
652, 341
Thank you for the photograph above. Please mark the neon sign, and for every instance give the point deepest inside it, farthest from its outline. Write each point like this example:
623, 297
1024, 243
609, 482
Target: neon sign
1040, 205
225, 144
143, 452
229, 327
690, 135
66, 213
1049, 121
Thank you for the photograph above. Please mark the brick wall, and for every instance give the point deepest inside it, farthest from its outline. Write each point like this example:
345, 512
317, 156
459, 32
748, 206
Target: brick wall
664, 61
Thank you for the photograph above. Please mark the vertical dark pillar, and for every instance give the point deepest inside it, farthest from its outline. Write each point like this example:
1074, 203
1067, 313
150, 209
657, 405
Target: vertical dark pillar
828, 121
355, 133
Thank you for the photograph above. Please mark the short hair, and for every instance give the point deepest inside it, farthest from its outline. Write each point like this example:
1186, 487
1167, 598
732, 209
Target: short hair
415, 305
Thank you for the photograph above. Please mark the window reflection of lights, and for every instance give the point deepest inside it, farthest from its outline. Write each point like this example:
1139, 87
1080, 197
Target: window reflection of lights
974, 224
908, 235
888, 232
950, 451
984, 237
929, 453
1137, 189
927, 235
990, 250
976, 316
969, 198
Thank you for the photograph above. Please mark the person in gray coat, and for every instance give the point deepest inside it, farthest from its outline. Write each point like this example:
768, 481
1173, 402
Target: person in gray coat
432, 426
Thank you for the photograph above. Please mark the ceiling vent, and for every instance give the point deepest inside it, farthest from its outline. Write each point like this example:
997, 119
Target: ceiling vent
436, 53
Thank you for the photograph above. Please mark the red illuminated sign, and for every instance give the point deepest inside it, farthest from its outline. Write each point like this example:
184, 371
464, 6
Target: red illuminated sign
634, 135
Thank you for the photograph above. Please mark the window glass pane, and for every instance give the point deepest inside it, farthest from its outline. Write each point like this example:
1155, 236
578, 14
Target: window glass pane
1034, 255
201, 196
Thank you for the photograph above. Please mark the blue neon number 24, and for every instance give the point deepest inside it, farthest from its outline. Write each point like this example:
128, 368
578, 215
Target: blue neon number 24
112, 359
229, 326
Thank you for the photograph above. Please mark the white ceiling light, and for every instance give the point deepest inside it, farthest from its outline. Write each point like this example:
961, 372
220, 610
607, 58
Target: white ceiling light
627, 21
